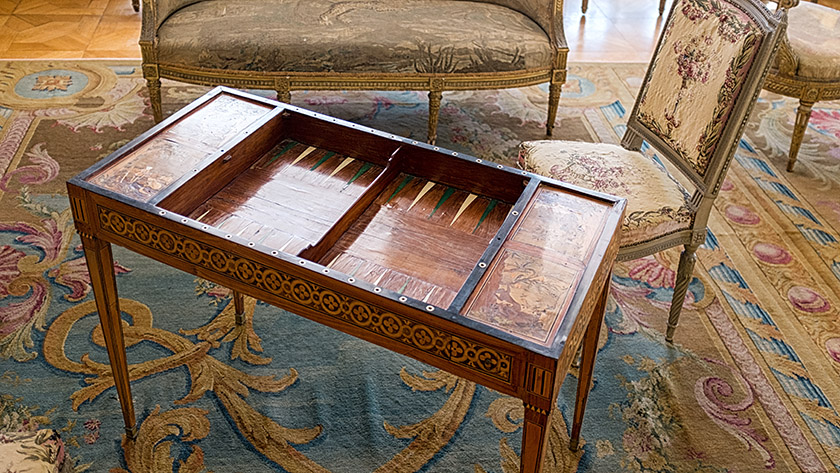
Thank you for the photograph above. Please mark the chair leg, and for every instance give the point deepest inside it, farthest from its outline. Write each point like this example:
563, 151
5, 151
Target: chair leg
684, 271
661, 7
803, 114
435, 96
553, 102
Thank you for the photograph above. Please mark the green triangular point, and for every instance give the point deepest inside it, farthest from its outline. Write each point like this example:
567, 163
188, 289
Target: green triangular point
489, 208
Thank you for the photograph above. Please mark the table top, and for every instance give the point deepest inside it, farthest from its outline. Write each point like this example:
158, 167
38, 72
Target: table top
405, 224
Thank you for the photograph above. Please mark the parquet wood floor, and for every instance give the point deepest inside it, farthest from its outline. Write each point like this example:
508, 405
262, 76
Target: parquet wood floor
611, 31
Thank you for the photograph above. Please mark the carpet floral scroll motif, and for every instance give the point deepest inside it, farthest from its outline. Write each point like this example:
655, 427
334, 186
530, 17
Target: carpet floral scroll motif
207, 374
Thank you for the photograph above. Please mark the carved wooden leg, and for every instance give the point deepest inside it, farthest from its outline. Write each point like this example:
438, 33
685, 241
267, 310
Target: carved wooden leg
153, 82
284, 96
553, 103
587, 364
584, 6
239, 307
803, 114
435, 97
661, 7
100, 264
684, 272
534, 439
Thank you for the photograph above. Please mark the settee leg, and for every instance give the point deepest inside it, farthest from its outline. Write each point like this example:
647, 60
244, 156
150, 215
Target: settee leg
435, 97
154, 97
284, 96
553, 103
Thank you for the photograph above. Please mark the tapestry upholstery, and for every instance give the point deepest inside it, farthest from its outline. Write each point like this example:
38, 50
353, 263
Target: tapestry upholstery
540, 11
346, 37
705, 54
657, 204
814, 37
40, 451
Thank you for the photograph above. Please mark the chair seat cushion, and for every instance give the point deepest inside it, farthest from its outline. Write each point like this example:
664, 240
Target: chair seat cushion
814, 36
41, 451
384, 36
657, 205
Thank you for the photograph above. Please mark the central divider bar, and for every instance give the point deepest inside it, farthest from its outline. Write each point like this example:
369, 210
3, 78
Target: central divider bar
495, 245
328, 240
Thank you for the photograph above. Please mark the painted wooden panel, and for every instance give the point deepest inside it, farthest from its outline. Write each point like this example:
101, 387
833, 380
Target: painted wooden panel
529, 285
160, 161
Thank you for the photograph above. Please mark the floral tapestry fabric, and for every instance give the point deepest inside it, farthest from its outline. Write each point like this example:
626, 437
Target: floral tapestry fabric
814, 37
33, 452
376, 36
703, 59
657, 205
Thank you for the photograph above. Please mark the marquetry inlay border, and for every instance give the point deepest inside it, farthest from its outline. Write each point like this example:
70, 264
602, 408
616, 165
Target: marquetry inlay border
451, 347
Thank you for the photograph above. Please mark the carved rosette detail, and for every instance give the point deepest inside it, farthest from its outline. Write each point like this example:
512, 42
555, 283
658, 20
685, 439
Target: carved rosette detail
454, 348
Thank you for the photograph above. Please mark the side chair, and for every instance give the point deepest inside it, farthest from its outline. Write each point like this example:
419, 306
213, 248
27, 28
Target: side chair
807, 66
702, 82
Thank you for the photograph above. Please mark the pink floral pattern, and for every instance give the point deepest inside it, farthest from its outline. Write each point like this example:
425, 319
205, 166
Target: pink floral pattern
9, 258
707, 48
24, 277
826, 121
711, 393
74, 275
808, 300
43, 169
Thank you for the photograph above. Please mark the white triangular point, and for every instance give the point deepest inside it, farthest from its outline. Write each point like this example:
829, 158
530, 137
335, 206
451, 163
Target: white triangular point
203, 215
464, 206
423, 192
283, 248
341, 166
304, 154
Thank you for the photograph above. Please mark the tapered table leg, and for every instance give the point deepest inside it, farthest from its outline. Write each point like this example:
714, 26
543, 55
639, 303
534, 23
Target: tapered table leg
587, 363
100, 264
534, 439
239, 307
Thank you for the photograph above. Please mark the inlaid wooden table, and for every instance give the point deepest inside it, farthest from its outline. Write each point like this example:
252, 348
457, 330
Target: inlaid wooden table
491, 273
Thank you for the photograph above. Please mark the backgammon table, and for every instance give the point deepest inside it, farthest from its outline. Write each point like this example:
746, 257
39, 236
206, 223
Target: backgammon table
491, 273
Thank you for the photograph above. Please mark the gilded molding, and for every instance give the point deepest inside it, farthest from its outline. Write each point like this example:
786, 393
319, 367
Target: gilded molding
456, 349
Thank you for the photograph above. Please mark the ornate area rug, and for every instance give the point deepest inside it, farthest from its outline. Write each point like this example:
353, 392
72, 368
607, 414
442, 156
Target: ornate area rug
751, 384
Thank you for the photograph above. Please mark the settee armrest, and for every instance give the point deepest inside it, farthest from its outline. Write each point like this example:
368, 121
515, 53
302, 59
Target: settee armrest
154, 12
546, 13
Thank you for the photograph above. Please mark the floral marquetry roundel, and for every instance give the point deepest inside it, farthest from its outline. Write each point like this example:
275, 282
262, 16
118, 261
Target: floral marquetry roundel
697, 74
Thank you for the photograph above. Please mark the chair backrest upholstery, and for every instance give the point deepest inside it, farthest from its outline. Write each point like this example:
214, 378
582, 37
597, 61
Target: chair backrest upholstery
702, 82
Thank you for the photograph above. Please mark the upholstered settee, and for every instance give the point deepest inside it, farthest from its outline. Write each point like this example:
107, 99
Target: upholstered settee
286, 45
